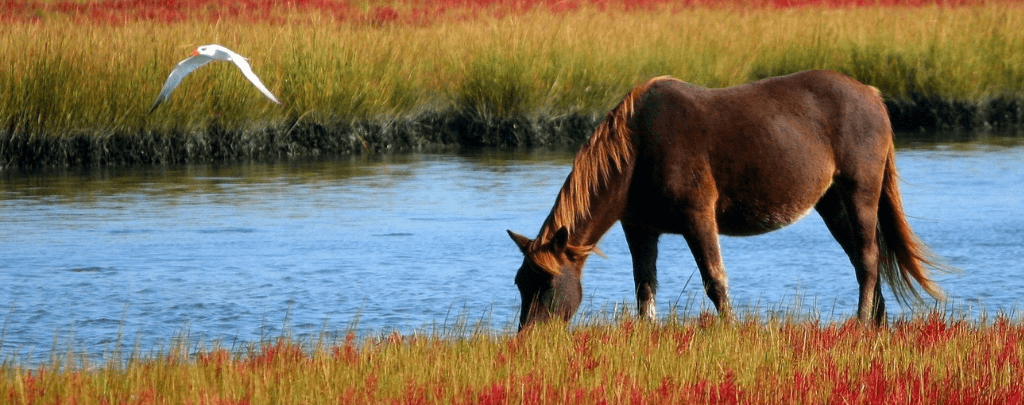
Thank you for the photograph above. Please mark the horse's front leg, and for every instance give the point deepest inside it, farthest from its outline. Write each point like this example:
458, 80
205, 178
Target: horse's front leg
643, 246
702, 237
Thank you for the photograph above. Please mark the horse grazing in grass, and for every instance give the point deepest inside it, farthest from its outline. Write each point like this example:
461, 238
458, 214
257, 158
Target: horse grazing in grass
678, 158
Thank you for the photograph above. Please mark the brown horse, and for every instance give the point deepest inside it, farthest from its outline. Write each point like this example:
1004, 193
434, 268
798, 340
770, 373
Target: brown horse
677, 158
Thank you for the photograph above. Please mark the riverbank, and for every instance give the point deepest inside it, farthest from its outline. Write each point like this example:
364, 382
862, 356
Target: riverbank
424, 132
932, 358
394, 77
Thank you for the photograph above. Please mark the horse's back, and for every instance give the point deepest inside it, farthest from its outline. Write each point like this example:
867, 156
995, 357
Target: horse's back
813, 105
817, 101
763, 153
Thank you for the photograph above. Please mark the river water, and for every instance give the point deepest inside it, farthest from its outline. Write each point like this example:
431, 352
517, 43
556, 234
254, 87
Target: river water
245, 252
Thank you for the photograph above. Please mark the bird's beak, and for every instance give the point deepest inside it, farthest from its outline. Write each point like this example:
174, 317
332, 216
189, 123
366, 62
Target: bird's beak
195, 52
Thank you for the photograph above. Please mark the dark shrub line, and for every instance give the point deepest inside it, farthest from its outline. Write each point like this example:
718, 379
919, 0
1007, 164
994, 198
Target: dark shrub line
428, 131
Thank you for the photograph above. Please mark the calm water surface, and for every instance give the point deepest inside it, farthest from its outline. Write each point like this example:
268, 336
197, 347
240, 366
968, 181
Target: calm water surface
239, 253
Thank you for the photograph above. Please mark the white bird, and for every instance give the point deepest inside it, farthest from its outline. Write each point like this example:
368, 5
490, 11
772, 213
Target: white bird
201, 56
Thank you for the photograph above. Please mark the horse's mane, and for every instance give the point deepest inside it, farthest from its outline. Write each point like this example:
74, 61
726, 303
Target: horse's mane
609, 147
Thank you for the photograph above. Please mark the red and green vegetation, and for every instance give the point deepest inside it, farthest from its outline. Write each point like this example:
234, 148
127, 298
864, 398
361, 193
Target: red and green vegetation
81, 75
927, 359
77, 78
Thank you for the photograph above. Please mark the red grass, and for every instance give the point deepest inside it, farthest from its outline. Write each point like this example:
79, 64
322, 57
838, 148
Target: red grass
416, 12
876, 385
831, 364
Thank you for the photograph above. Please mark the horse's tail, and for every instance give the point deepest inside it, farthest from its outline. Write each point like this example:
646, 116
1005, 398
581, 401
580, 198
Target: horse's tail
902, 256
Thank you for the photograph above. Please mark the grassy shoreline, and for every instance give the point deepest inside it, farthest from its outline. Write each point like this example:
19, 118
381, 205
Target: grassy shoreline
930, 358
472, 74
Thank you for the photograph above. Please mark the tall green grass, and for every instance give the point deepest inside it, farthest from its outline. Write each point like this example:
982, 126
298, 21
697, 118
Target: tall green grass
930, 358
65, 88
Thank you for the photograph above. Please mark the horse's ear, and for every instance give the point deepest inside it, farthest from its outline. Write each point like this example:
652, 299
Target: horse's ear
520, 240
560, 241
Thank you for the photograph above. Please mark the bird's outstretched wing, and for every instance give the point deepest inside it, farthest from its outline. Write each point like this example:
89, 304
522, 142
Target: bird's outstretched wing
183, 69
202, 56
247, 71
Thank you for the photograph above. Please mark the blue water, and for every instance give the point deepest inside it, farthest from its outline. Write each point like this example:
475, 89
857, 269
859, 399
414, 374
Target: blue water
244, 252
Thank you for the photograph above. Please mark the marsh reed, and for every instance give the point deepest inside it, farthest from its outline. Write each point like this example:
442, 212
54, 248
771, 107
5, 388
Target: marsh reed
928, 358
76, 81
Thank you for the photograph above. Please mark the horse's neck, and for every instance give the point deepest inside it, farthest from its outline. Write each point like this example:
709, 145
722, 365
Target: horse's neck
587, 219
594, 193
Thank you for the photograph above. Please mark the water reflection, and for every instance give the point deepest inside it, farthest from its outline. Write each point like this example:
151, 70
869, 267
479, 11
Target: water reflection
958, 140
401, 242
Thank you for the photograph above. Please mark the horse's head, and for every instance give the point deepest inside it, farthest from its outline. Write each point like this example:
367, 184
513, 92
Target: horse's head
549, 279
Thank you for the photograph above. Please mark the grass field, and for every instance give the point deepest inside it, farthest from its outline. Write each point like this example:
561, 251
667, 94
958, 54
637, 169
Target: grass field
382, 76
932, 358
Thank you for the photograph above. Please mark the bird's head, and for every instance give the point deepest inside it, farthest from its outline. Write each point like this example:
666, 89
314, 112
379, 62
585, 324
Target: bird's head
212, 51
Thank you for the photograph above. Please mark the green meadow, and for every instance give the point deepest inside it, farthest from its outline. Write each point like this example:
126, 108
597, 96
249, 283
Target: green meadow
76, 90
929, 358
76, 86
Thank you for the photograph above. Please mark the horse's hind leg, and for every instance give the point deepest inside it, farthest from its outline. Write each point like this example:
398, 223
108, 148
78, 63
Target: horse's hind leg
853, 223
643, 246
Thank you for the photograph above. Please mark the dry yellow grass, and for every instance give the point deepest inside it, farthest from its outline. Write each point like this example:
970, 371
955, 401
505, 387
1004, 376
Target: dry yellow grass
59, 79
928, 359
